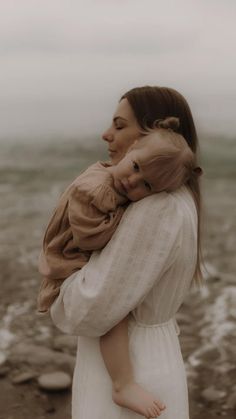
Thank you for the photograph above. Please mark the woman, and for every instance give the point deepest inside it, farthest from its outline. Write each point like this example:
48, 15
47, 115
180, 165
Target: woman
144, 271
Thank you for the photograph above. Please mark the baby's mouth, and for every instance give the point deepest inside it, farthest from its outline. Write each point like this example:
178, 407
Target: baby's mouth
124, 187
119, 185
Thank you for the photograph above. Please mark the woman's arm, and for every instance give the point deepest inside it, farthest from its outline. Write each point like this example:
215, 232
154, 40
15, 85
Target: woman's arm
117, 279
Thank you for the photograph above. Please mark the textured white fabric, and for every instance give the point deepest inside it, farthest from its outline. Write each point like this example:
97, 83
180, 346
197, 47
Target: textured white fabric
146, 269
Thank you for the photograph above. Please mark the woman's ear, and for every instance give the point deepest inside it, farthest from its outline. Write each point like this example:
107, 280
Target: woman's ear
132, 145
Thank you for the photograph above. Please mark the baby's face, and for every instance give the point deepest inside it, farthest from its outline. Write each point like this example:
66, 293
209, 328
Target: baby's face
129, 179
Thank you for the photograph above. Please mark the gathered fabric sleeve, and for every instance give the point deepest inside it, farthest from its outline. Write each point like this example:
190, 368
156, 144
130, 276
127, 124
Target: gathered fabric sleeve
94, 214
117, 278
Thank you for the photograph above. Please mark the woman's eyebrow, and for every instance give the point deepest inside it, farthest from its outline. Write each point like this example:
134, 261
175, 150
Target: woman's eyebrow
118, 117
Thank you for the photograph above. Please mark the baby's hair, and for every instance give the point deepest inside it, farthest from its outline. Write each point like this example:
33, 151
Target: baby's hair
170, 162
170, 123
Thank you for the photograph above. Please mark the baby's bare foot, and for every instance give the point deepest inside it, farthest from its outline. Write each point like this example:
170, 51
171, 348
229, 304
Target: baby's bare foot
134, 397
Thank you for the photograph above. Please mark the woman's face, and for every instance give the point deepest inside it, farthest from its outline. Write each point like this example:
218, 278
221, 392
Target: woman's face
122, 133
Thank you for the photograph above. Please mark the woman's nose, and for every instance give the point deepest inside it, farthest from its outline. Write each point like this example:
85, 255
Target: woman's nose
107, 136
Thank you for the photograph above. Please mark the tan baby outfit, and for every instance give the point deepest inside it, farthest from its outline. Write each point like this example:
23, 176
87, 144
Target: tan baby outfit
85, 219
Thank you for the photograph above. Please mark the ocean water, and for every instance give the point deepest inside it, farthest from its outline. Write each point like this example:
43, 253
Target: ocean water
32, 177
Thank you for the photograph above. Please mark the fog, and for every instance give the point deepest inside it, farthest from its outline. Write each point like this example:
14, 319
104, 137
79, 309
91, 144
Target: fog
64, 64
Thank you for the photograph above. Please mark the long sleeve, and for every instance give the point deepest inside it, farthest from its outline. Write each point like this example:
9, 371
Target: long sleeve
93, 213
117, 278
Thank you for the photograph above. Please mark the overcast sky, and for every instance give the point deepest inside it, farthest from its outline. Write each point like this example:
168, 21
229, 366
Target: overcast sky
65, 63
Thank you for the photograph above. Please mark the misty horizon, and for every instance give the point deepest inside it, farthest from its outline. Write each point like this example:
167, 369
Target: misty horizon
65, 65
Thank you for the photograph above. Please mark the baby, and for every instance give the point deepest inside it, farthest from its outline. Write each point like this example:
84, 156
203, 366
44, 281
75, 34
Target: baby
85, 219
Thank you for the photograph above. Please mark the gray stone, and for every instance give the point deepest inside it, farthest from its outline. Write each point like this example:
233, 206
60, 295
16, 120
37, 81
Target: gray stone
210, 273
231, 401
54, 381
184, 319
40, 356
211, 394
4, 370
65, 343
3, 358
224, 368
210, 355
24, 377
188, 342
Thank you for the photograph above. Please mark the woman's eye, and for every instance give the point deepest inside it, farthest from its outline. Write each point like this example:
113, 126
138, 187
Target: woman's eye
135, 166
119, 128
147, 186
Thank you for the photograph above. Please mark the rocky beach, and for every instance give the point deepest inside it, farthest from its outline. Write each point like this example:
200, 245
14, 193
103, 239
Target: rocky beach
36, 360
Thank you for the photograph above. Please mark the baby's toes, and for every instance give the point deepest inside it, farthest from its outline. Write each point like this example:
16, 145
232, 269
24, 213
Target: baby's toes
153, 412
159, 405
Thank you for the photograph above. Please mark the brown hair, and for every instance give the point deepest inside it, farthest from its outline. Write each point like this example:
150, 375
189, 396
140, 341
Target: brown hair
152, 103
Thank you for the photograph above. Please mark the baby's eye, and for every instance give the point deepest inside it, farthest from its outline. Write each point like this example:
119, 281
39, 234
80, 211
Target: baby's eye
135, 166
147, 185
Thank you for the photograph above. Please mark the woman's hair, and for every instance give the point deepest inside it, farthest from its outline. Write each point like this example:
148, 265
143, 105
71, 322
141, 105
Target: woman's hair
152, 103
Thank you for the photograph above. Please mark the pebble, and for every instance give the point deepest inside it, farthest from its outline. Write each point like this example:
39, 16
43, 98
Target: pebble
211, 394
224, 368
183, 319
210, 273
210, 355
4, 370
231, 401
40, 356
65, 343
54, 381
23, 377
3, 358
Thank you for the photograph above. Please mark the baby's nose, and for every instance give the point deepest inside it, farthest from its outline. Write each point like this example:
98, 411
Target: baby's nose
134, 180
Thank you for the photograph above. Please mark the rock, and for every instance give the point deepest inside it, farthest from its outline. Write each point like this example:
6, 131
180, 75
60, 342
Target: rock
54, 381
187, 330
211, 394
210, 355
188, 343
50, 409
40, 356
65, 343
24, 377
4, 370
3, 358
183, 319
231, 401
210, 273
224, 368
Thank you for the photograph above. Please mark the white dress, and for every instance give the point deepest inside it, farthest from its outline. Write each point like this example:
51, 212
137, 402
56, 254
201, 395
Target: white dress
146, 270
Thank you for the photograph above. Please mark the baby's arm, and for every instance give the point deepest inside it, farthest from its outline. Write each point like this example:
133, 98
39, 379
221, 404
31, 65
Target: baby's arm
93, 216
126, 392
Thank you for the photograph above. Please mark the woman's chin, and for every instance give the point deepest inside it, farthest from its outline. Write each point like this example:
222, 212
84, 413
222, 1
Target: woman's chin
113, 158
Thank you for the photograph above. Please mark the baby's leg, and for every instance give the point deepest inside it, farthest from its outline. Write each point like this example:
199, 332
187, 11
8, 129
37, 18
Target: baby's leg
126, 392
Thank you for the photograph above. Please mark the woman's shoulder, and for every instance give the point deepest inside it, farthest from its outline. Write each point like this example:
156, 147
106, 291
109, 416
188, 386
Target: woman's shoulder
174, 205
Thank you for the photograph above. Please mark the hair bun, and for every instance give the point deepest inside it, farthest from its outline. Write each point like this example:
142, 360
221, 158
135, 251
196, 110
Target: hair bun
168, 123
